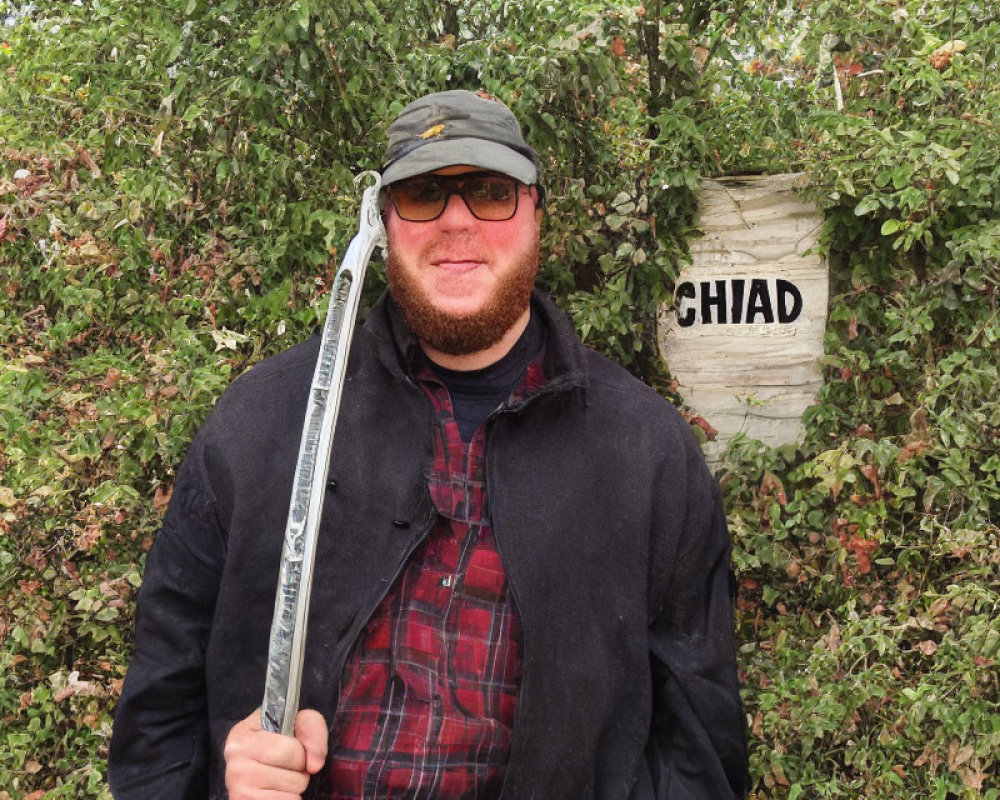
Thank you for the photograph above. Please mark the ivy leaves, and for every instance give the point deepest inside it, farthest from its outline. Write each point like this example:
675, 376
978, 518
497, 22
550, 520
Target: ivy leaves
176, 182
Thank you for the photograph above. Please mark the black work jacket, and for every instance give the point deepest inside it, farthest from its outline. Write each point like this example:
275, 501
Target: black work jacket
608, 522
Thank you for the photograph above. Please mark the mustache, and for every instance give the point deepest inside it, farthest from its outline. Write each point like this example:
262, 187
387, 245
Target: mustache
451, 246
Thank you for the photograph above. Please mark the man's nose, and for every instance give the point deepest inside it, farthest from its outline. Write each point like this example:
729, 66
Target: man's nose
456, 212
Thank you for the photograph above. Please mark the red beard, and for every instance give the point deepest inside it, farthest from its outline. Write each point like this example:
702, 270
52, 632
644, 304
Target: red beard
464, 335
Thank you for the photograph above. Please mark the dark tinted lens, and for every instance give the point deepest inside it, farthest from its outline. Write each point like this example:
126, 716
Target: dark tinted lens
491, 198
419, 200
488, 197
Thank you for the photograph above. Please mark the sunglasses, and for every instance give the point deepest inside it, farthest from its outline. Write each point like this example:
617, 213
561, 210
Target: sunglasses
489, 197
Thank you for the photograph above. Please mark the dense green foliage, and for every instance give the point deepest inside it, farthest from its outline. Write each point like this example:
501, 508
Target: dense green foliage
176, 186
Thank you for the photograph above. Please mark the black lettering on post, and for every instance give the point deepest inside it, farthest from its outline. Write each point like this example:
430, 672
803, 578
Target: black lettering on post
736, 309
708, 300
759, 302
686, 289
788, 291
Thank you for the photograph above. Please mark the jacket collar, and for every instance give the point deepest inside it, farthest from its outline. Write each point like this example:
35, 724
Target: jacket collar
400, 351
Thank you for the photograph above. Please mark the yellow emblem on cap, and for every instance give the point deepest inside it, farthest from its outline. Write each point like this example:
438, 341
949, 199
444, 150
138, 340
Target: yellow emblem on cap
434, 131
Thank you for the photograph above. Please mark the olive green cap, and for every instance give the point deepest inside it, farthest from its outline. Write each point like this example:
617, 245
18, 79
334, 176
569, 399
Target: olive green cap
446, 129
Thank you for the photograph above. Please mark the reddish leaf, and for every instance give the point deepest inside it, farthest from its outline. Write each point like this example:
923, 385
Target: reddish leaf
911, 449
772, 484
110, 379
695, 419
871, 473
161, 498
862, 549
928, 647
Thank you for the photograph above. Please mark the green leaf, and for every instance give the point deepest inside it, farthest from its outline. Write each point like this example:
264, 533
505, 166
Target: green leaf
867, 205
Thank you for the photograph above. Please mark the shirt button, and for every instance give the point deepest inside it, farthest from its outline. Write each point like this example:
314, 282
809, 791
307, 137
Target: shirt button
446, 581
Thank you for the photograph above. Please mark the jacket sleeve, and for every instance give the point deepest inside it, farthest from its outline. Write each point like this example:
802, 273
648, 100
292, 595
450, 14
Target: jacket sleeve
697, 741
159, 746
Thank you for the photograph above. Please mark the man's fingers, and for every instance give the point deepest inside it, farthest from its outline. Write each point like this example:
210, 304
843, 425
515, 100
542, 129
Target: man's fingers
311, 731
246, 778
248, 740
261, 764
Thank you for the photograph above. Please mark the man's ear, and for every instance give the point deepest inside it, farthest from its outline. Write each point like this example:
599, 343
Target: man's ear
386, 214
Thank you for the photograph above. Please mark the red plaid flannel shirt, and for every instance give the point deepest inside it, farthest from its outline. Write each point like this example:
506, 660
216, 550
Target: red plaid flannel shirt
428, 695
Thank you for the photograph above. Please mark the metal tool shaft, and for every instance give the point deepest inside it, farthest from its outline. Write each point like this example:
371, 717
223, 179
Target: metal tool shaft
286, 649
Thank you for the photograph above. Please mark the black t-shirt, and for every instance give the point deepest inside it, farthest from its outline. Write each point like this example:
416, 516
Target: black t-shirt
476, 393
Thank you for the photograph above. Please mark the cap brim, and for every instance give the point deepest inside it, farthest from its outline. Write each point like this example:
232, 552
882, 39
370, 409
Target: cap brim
480, 153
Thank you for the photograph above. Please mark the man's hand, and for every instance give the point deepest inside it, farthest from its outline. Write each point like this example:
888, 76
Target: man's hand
261, 765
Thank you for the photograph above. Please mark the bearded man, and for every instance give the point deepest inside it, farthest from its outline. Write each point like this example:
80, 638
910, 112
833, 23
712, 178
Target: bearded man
522, 584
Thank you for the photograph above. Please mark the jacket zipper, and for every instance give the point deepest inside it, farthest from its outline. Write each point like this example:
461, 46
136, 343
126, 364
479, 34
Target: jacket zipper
553, 387
514, 739
491, 437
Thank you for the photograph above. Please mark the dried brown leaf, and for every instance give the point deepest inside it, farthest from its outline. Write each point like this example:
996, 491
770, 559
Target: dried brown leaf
928, 647
162, 495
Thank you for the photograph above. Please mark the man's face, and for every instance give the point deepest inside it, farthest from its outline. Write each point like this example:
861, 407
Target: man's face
461, 282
